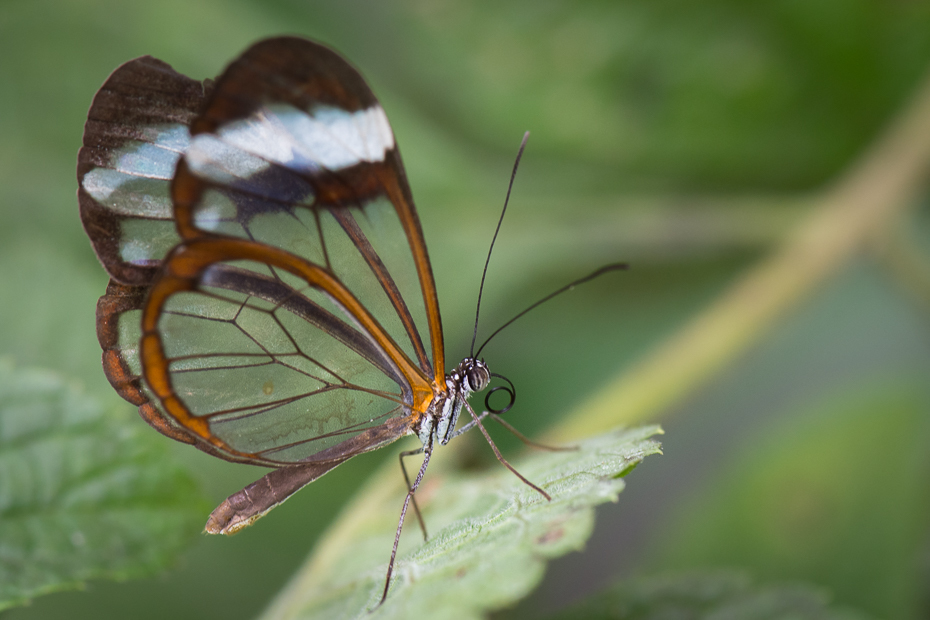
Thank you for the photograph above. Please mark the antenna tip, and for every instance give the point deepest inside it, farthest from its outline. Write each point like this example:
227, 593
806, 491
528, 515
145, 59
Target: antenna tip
611, 267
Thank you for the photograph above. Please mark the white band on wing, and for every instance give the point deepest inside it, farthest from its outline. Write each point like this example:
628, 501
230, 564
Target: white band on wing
328, 138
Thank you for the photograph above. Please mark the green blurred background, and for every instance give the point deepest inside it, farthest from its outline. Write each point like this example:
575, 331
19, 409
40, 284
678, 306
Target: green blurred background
686, 137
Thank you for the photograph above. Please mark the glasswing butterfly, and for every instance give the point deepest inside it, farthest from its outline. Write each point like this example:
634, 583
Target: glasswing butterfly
271, 299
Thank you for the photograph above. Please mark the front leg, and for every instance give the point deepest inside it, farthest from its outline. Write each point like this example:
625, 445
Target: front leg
416, 508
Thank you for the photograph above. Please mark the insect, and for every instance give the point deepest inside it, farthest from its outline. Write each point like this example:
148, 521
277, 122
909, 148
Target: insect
271, 299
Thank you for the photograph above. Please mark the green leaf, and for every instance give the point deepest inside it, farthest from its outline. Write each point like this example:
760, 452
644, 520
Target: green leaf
492, 536
84, 493
717, 595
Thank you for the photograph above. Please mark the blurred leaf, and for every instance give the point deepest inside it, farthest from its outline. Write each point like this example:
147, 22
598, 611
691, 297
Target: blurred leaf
83, 494
716, 595
494, 537
838, 495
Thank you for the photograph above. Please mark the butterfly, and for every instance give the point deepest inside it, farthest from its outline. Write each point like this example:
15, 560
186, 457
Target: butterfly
271, 299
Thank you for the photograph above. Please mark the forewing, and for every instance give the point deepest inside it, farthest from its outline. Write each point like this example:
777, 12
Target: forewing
293, 150
137, 129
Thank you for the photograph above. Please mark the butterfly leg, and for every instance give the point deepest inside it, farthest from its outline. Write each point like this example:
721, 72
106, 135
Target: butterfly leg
467, 427
526, 440
427, 452
500, 457
413, 499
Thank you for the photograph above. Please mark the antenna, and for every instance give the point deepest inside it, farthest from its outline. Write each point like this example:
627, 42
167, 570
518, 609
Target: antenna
487, 261
567, 287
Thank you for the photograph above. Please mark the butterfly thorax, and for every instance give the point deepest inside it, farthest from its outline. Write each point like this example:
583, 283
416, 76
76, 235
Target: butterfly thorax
470, 376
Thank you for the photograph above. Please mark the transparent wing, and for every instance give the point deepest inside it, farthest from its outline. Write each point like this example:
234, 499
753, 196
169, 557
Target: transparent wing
267, 356
136, 130
119, 315
286, 326
293, 150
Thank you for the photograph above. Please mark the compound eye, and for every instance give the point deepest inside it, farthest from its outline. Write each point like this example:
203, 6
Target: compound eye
478, 379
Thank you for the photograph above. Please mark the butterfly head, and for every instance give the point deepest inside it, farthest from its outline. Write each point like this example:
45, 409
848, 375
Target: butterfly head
474, 375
